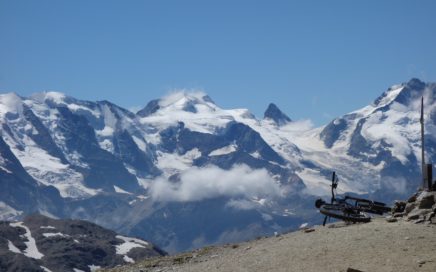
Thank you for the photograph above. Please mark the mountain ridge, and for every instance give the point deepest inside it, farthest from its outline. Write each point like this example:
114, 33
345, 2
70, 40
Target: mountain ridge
40, 243
100, 162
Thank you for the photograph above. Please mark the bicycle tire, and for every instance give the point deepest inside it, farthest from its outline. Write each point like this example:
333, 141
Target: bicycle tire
381, 209
337, 211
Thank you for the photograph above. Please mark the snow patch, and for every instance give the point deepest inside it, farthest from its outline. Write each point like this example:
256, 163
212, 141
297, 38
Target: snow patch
389, 96
31, 251
45, 269
127, 259
47, 227
121, 191
224, 150
107, 145
140, 143
13, 248
129, 243
55, 234
256, 155
94, 268
105, 132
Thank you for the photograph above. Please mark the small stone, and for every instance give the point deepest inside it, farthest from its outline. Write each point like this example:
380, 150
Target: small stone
398, 214
406, 238
421, 220
391, 219
276, 234
248, 248
421, 262
308, 230
349, 269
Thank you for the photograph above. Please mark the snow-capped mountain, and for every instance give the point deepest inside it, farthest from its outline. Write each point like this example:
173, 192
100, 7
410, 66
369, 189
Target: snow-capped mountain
39, 243
275, 114
183, 172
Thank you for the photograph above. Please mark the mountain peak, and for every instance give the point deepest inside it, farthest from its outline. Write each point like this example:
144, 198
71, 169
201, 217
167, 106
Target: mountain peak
183, 96
56, 97
182, 100
415, 84
274, 113
403, 93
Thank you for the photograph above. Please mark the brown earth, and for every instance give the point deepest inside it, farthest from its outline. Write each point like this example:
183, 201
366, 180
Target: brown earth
375, 246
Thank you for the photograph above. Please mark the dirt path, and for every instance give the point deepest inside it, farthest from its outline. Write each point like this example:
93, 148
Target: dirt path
375, 246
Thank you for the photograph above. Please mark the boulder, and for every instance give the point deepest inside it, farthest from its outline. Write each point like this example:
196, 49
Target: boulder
412, 199
427, 201
409, 207
399, 206
417, 213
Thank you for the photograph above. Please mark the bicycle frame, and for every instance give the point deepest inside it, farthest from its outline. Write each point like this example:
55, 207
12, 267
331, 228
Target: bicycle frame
354, 212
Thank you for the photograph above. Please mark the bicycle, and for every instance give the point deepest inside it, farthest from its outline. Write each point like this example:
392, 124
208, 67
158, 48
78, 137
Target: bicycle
341, 208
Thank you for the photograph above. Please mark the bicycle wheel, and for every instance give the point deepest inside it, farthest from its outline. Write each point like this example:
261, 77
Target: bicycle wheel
380, 209
344, 213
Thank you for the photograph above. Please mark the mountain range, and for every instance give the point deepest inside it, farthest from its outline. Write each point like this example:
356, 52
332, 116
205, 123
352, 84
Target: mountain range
183, 172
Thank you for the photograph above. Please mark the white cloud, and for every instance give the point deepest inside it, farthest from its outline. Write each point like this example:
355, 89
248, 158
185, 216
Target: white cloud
135, 109
197, 184
241, 204
177, 95
396, 185
299, 126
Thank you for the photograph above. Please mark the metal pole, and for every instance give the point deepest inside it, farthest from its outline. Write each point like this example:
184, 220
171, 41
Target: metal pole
429, 176
424, 176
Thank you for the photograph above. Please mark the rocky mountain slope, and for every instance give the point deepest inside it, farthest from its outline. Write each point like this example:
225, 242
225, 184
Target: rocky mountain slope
376, 246
39, 243
183, 172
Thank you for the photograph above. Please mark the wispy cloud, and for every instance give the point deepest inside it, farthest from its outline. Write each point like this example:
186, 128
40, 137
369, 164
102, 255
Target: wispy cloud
197, 184
135, 109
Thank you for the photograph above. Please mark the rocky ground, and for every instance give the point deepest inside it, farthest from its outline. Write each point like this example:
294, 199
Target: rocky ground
39, 243
385, 244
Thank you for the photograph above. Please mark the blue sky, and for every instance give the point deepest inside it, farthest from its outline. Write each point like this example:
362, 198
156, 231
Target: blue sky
314, 59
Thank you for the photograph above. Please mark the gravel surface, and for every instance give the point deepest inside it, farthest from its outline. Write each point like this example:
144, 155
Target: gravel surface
376, 246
